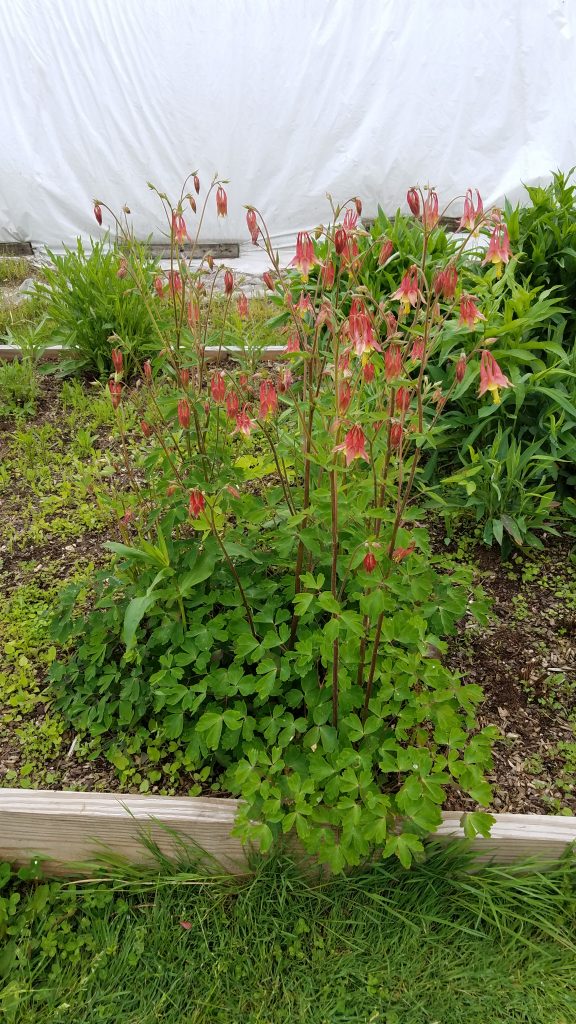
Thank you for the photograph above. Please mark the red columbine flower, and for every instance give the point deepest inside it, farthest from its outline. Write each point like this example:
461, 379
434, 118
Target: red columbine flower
445, 281
407, 293
174, 281
184, 413
350, 220
413, 200
218, 389
184, 377
305, 257
340, 239
285, 380
179, 228
430, 211
360, 329
401, 553
418, 349
328, 274
242, 306
293, 343
244, 424
472, 215
491, 376
145, 428
304, 305
98, 213
193, 313
469, 312
147, 367
369, 562
344, 396
268, 280
498, 251
391, 324
393, 361
115, 392
159, 286
268, 399
396, 435
354, 445
117, 360
231, 405
252, 222
196, 504
403, 399
385, 253
196, 184
221, 202
228, 282
350, 252
368, 372
460, 368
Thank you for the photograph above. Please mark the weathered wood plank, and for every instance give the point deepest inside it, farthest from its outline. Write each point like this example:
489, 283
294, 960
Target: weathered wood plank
16, 249
219, 250
65, 827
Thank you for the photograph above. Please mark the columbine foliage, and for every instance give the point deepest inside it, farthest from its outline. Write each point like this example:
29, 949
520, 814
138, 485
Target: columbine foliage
275, 609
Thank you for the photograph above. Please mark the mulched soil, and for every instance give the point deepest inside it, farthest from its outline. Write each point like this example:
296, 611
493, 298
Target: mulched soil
524, 660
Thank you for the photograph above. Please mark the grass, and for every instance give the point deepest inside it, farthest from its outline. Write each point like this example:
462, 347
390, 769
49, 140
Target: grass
429, 946
13, 270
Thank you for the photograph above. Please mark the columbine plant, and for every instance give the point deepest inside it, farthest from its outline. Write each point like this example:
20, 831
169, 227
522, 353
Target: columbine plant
278, 618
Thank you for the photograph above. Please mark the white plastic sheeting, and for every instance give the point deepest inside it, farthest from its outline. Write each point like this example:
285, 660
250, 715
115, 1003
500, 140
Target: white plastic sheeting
289, 99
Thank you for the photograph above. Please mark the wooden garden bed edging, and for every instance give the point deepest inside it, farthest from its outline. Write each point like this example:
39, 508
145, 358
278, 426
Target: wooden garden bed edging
211, 353
62, 828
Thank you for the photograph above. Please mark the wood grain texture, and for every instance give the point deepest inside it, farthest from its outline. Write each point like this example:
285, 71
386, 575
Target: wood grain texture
65, 827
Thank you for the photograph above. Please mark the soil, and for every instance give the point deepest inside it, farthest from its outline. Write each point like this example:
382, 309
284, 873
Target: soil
524, 659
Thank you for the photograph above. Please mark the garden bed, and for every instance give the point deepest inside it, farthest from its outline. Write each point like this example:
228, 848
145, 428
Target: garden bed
56, 519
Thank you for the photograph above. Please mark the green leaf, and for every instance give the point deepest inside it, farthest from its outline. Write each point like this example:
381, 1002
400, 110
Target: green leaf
134, 614
477, 823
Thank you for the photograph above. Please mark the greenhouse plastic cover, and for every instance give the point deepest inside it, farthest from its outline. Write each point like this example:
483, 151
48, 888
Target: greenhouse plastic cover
288, 99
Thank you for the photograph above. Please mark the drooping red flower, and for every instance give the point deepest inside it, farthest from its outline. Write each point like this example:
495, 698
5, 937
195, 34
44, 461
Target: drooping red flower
268, 280
403, 399
221, 202
418, 349
268, 400
491, 376
193, 313
184, 377
293, 342
344, 396
252, 222
174, 281
396, 434
460, 370
117, 360
401, 553
115, 388
368, 372
305, 256
232, 405
244, 424
353, 445
391, 324
145, 428
407, 292
184, 413
360, 330
179, 228
472, 215
304, 304
218, 389
285, 380
350, 221
369, 561
445, 282
413, 200
196, 184
430, 213
328, 274
228, 282
498, 251
469, 312
147, 367
340, 239
196, 504
386, 250
192, 202
98, 213
159, 286
350, 251
393, 361
242, 306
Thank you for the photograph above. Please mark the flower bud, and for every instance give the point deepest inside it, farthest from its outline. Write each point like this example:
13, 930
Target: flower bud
145, 428
171, 489
98, 213
358, 204
413, 200
403, 399
228, 282
196, 504
328, 273
185, 378
340, 239
209, 260
232, 405
268, 280
368, 372
369, 562
117, 360
396, 434
192, 202
461, 368
252, 222
147, 367
221, 202
159, 286
218, 387
196, 184
242, 306
115, 392
385, 253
